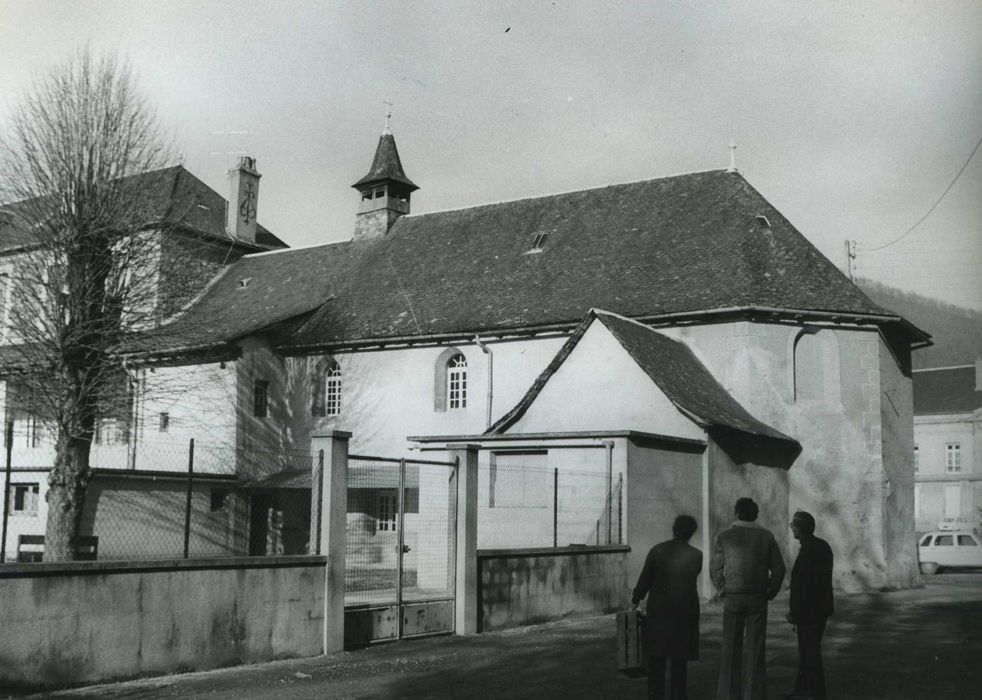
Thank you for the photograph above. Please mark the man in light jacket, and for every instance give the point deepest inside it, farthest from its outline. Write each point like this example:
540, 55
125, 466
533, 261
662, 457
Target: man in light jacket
747, 568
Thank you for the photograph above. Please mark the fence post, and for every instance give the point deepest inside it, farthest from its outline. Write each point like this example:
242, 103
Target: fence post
187, 508
466, 584
555, 507
8, 443
316, 499
334, 512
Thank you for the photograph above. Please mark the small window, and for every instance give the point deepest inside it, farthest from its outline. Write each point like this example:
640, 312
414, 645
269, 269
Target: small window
366, 195
457, 382
917, 459
379, 192
539, 240
332, 390
763, 221
953, 457
33, 432
260, 399
944, 541
25, 499
219, 499
388, 505
163, 425
967, 541
926, 541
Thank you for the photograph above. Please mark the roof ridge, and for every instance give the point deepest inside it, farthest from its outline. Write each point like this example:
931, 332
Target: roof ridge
297, 248
566, 192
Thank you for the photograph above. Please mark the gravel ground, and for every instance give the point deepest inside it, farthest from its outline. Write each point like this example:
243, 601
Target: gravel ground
916, 644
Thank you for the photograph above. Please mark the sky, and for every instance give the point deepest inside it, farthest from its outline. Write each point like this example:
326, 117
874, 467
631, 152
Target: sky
852, 118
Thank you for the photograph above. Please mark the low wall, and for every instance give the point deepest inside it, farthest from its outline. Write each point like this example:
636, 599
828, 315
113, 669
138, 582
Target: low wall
528, 586
81, 622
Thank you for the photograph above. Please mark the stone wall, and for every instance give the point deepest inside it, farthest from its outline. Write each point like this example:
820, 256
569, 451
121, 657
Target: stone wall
525, 587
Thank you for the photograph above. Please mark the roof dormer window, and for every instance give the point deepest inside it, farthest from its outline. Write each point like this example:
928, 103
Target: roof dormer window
538, 241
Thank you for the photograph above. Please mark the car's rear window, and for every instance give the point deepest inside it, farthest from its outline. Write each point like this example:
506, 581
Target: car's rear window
944, 541
926, 541
967, 541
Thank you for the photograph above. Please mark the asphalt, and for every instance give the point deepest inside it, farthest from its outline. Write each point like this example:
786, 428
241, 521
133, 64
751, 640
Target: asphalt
924, 643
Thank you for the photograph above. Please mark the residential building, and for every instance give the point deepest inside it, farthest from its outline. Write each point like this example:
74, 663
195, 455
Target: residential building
948, 446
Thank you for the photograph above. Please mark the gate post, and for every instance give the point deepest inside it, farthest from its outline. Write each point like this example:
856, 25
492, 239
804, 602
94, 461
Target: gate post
333, 518
465, 590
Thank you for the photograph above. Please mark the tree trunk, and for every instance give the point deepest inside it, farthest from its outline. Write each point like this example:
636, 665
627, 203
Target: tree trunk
66, 497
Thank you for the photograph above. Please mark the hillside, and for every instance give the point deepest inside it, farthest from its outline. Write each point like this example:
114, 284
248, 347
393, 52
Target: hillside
957, 332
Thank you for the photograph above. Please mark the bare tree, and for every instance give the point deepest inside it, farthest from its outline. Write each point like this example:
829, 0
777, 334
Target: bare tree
85, 277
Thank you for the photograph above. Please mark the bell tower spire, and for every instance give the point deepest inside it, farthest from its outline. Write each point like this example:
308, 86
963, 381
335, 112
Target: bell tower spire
385, 190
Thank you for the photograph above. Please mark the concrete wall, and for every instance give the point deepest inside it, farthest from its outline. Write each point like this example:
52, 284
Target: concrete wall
728, 481
532, 586
85, 622
662, 483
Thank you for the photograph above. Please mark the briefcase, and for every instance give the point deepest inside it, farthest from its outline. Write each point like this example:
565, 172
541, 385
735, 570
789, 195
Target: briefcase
631, 659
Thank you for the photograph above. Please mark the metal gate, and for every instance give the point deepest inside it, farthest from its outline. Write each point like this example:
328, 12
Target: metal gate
401, 549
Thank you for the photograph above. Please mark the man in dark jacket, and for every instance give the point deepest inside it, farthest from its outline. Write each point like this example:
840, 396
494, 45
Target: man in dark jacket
811, 606
747, 568
671, 630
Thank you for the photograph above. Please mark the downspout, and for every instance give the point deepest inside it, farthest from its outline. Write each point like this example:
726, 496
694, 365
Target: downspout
490, 354
609, 445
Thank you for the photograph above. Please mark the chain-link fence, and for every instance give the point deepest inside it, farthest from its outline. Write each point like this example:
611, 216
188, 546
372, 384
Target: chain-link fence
184, 500
522, 505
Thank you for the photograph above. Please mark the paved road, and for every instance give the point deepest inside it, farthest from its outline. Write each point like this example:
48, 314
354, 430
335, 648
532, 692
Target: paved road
921, 644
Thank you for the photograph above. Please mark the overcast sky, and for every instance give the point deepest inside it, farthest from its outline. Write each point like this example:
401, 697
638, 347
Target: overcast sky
851, 118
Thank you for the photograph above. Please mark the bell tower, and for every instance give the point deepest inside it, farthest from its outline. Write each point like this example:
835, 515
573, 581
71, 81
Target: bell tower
385, 191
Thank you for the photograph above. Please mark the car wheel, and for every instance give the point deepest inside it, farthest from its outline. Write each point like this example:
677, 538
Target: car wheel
929, 568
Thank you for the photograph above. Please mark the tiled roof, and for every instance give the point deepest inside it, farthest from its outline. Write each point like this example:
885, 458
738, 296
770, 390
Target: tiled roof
946, 390
386, 165
672, 366
170, 196
256, 292
683, 244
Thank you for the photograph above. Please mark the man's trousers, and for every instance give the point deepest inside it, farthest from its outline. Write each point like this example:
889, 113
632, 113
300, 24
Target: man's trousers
743, 668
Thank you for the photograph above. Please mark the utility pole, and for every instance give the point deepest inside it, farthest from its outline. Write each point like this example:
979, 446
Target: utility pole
850, 256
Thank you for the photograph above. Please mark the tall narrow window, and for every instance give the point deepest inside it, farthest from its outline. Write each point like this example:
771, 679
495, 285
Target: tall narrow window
953, 457
260, 399
457, 382
917, 459
388, 505
25, 499
164, 424
332, 390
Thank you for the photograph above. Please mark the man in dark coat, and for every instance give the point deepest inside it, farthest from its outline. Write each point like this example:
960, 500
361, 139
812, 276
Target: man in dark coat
671, 630
747, 568
811, 606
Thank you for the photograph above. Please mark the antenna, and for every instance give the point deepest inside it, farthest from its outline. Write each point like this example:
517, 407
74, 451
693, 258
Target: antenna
733, 167
388, 114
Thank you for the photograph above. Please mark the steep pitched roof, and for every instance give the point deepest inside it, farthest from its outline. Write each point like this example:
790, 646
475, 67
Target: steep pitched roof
672, 366
170, 197
946, 390
386, 165
676, 245
257, 292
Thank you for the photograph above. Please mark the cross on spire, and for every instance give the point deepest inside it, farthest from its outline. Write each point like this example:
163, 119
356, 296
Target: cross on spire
388, 114
733, 167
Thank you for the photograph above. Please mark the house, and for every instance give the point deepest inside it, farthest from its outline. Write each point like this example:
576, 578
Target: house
458, 325
189, 233
948, 446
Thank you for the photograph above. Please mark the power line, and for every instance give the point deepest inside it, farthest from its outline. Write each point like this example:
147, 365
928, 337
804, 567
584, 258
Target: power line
933, 206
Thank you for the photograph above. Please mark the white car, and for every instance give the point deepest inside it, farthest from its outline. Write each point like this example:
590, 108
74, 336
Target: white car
949, 549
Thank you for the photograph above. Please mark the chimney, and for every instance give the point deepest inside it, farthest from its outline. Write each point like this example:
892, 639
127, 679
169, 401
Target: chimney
240, 216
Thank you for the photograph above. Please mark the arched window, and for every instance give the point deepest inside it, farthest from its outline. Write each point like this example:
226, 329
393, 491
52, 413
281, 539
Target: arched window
456, 382
326, 389
816, 365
